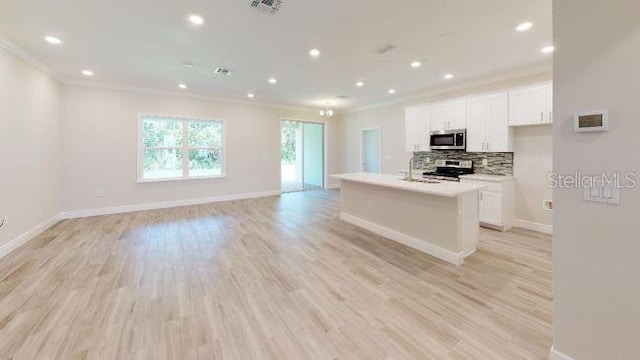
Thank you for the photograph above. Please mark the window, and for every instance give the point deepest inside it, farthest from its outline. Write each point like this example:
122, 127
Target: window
179, 148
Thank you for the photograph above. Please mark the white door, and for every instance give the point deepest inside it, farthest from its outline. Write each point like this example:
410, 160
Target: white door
412, 123
490, 207
476, 124
425, 129
528, 106
499, 135
370, 152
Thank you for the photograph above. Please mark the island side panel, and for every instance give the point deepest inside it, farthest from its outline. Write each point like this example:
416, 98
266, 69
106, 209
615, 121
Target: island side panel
431, 219
468, 206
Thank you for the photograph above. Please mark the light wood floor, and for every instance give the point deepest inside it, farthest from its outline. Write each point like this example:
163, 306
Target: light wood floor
271, 278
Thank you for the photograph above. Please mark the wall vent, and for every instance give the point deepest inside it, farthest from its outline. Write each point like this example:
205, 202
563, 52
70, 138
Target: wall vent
270, 6
384, 48
222, 71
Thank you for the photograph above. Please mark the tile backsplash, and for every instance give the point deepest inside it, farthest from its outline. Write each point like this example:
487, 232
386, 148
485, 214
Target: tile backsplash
497, 163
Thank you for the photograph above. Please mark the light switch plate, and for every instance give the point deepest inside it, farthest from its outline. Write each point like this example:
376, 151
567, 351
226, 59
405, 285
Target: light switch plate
607, 193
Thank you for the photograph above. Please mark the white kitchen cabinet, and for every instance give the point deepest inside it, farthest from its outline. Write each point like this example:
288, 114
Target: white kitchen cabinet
531, 105
417, 128
496, 206
488, 124
449, 115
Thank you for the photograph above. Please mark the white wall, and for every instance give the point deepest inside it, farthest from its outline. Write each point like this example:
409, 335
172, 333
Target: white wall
29, 147
596, 246
100, 139
532, 150
532, 162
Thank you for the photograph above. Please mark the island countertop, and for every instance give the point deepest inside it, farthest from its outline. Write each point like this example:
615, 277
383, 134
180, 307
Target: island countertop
444, 188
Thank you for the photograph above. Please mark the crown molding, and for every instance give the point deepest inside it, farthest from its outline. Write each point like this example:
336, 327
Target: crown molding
25, 56
521, 74
175, 94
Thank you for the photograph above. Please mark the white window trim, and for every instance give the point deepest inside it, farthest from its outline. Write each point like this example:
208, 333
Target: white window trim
185, 145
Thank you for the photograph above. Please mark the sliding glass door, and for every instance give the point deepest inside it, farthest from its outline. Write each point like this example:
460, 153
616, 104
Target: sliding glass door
301, 156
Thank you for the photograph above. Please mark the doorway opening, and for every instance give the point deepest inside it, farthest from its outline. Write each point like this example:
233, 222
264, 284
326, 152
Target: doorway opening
301, 156
370, 150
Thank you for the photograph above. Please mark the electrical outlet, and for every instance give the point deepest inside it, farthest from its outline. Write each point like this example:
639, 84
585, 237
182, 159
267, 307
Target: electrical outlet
428, 160
547, 204
485, 162
99, 193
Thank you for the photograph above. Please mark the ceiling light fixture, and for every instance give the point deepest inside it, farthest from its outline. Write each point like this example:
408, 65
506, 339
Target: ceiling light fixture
182, 86
52, 40
524, 26
272, 80
448, 76
250, 95
326, 113
88, 73
196, 19
187, 64
416, 64
360, 84
314, 52
392, 91
548, 49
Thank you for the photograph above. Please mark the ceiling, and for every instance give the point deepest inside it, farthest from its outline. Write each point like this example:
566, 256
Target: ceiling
137, 43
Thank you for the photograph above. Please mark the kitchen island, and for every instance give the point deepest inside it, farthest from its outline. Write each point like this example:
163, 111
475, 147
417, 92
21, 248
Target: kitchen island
440, 218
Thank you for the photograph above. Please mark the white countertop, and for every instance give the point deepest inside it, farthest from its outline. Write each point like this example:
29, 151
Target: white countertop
487, 177
445, 188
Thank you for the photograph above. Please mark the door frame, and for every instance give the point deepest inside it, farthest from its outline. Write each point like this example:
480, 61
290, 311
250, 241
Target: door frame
325, 157
362, 131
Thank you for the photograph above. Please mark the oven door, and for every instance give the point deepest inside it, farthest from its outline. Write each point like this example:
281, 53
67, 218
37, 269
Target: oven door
448, 141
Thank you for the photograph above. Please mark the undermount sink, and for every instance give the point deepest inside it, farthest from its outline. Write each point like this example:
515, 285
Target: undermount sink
423, 181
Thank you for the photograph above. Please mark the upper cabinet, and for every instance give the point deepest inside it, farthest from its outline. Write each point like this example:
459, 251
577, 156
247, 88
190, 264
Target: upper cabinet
449, 115
488, 124
417, 128
531, 105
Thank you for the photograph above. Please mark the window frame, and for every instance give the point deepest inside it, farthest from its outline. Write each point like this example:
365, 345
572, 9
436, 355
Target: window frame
184, 148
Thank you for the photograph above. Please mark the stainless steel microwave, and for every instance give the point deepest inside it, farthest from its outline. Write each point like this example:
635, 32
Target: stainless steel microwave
449, 140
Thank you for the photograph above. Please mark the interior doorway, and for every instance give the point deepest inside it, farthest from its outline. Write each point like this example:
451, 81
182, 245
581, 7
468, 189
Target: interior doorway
301, 155
370, 150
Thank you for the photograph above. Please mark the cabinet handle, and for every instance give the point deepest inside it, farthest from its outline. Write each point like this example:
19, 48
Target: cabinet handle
542, 117
483, 146
550, 116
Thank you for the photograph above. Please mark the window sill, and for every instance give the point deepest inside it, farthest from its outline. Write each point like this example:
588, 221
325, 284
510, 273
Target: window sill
143, 181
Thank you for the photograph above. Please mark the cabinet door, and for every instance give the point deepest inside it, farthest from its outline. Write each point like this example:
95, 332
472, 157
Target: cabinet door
449, 115
528, 106
476, 124
499, 135
425, 129
412, 124
490, 207
549, 92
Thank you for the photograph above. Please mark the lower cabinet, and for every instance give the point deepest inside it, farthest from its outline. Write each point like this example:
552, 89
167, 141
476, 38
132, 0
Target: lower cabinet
496, 203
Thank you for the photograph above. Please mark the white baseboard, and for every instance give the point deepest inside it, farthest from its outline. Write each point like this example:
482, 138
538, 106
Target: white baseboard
163, 205
529, 225
420, 245
28, 235
333, 186
557, 355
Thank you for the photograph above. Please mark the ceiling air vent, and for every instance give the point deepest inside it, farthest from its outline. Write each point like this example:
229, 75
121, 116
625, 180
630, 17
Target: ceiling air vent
271, 6
222, 71
384, 48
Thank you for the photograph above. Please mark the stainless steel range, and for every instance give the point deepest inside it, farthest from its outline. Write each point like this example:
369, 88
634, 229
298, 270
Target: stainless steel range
449, 170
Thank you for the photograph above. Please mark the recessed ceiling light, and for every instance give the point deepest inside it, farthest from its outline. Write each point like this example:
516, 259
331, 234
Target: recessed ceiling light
392, 91
360, 84
416, 64
524, 26
250, 95
182, 86
448, 76
314, 52
196, 19
272, 81
52, 40
548, 49
88, 73
187, 64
